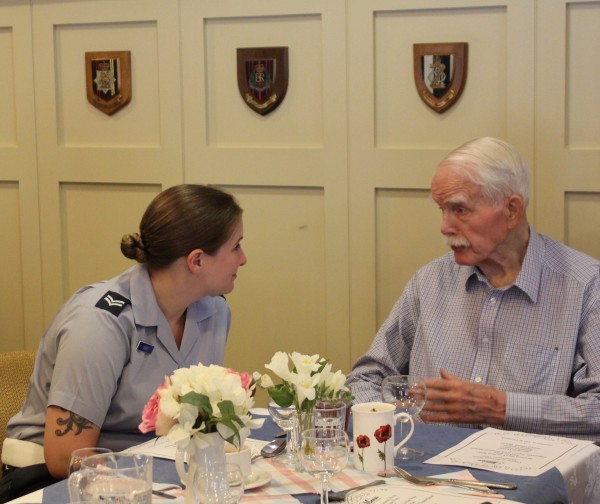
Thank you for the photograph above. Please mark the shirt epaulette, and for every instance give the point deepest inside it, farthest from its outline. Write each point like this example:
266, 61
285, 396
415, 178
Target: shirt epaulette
113, 302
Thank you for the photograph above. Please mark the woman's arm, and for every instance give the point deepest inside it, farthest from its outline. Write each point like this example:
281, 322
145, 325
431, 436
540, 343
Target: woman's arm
64, 432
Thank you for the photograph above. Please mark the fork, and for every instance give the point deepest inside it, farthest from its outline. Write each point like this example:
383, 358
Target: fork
424, 481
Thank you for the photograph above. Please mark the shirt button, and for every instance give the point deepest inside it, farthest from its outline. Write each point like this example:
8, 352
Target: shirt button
478, 379
493, 300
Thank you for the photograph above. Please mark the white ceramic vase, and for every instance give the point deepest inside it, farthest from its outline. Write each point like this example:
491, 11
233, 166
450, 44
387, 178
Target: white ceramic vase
188, 464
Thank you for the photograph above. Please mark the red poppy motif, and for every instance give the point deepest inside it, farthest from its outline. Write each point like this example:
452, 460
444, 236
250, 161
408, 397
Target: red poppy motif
363, 441
383, 433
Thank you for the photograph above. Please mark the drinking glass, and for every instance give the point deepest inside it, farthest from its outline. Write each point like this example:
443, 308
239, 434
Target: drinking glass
114, 478
408, 393
219, 483
330, 414
286, 418
78, 455
323, 452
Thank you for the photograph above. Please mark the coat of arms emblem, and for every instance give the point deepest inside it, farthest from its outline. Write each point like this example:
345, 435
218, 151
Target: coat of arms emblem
108, 80
262, 74
440, 72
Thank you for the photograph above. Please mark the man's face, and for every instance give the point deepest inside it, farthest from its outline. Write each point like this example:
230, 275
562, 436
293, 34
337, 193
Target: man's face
475, 229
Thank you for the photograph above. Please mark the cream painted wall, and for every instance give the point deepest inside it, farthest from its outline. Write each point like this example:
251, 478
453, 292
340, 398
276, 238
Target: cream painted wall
334, 183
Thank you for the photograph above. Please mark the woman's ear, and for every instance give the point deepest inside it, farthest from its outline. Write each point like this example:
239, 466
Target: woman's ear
195, 259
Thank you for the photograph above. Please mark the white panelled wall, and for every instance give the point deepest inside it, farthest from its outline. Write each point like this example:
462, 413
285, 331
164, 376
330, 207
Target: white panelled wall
334, 182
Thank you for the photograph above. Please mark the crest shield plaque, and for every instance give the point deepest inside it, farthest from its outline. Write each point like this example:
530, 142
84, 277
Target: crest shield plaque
262, 74
440, 72
108, 79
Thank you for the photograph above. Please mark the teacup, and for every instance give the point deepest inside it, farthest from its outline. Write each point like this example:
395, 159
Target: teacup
242, 457
373, 431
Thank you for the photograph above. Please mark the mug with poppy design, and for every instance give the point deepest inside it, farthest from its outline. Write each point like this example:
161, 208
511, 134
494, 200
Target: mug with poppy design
373, 432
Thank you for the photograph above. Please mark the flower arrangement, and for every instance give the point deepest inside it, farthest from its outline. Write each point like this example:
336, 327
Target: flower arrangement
305, 379
200, 400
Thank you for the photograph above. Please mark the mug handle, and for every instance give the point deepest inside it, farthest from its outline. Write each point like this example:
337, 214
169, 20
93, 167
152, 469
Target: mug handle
404, 416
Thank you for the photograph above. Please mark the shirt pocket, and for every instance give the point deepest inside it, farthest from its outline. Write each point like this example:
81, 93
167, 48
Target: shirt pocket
539, 369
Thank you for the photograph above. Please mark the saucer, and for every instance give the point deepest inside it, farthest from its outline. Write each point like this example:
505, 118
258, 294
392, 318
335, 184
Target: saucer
257, 478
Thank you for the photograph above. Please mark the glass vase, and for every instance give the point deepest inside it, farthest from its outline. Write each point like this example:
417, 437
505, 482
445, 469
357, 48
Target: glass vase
304, 420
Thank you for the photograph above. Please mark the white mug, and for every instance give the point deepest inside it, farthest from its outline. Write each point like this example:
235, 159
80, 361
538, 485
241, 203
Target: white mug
373, 434
241, 457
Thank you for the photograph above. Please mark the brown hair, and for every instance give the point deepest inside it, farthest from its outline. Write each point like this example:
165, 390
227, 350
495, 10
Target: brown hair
179, 220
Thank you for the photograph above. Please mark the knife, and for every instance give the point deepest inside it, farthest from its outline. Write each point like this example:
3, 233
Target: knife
477, 483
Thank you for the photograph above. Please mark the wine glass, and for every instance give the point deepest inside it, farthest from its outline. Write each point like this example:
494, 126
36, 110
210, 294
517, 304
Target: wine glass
323, 452
219, 483
408, 393
81, 453
286, 418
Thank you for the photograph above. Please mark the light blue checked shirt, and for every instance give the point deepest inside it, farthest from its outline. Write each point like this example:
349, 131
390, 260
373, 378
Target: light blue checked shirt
538, 340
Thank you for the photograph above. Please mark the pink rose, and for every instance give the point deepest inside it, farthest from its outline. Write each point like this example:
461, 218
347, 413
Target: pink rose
150, 413
245, 377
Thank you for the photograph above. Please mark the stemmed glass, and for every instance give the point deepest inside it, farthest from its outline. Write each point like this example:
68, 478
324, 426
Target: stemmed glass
323, 452
286, 418
408, 393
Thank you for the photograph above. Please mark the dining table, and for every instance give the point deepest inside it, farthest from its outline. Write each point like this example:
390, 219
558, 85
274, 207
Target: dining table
285, 484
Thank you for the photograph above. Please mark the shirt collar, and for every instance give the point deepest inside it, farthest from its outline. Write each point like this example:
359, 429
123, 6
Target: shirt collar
529, 277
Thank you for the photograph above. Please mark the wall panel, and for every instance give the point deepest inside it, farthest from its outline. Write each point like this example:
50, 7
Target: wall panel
582, 222
396, 142
280, 296
289, 167
11, 281
139, 145
403, 243
567, 141
21, 283
93, 252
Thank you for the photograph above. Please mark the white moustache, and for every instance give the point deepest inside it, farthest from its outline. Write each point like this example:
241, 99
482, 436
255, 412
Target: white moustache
457, 241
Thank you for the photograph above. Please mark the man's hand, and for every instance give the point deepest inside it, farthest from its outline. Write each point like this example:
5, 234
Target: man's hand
453, 400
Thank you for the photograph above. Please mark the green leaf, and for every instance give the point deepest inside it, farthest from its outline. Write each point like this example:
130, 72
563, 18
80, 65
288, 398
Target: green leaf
231, 420
202, 404
282, 395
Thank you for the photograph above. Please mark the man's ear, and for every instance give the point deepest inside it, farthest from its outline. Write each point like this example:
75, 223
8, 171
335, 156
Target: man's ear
515, 210
195, 259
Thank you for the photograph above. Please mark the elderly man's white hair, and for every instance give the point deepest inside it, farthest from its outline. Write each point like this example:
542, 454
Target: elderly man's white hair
494, 165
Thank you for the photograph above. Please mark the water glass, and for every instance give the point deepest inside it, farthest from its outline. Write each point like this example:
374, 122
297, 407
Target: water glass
114, 478
78, 455
330, 414
219, 483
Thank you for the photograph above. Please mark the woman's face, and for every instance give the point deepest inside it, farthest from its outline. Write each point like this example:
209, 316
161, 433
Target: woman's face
221, 267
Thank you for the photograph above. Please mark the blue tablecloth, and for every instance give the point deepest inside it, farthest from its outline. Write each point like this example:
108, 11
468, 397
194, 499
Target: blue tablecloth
548, 488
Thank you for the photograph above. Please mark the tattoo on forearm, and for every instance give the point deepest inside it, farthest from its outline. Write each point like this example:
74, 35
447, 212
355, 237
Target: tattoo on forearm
72, 421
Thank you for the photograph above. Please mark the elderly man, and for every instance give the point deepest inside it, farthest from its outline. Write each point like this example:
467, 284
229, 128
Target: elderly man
506, 327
